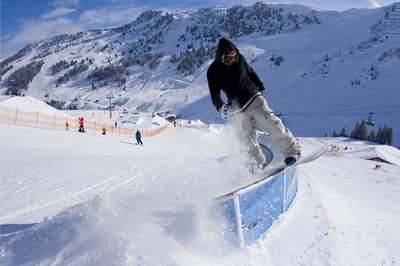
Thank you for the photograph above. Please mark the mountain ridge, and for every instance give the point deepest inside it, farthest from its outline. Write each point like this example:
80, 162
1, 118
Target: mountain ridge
346, 64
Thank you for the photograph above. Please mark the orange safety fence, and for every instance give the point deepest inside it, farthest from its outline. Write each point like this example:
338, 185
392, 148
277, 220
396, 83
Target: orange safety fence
17, 116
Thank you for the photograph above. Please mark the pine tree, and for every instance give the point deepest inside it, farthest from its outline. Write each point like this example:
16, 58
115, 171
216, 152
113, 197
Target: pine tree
384, 136
389, 136
343, 133
379, 136
353, 133
360, 131
372, 136
363, 131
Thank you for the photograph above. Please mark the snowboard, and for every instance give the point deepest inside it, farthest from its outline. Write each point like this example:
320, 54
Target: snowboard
311, 149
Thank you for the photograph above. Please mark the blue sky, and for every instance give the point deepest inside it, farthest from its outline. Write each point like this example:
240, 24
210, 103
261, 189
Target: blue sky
27, 21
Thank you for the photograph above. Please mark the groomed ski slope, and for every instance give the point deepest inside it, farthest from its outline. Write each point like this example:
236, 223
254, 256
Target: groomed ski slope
69, 198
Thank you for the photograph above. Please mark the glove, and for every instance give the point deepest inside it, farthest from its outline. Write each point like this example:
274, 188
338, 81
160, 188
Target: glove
223, 111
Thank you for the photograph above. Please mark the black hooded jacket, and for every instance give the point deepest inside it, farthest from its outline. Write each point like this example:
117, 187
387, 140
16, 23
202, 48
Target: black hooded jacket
238, 81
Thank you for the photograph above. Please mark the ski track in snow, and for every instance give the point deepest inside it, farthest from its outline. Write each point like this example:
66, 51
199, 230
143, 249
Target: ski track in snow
51, 190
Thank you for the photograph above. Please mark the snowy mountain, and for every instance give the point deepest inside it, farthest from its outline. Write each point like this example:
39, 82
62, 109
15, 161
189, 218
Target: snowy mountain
323, 70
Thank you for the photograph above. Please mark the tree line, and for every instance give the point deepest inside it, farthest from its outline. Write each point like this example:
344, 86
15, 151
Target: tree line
383, 136
20, 79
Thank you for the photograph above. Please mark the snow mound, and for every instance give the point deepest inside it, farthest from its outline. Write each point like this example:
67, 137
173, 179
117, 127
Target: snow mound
365, 150
386, 153
142, 120
31, 104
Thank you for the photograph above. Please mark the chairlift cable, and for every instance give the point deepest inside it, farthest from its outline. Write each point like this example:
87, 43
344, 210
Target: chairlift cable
338, 113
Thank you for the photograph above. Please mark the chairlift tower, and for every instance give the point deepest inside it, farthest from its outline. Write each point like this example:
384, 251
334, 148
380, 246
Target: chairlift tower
110, 97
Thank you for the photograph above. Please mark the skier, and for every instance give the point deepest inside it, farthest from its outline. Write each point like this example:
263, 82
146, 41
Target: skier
246, 105
139, 137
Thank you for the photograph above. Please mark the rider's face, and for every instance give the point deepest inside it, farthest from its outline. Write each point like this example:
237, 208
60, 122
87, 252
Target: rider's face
230, 58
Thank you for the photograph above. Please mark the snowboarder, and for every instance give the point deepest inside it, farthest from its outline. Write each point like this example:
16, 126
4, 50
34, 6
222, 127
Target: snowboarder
230, 73
139, 137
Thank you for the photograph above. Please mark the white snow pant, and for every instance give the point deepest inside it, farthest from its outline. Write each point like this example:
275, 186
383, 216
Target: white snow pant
260, 113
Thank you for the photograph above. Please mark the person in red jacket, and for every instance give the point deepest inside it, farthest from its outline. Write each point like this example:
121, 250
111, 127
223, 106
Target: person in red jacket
230, 73
81, 125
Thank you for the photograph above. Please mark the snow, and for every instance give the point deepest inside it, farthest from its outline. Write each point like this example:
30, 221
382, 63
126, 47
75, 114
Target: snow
30, 104
69, 198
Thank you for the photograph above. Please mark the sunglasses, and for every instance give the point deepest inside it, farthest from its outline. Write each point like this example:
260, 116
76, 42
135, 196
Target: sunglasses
230, 58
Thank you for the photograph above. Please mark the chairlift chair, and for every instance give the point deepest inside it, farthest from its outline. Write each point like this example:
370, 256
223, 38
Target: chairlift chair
370, 121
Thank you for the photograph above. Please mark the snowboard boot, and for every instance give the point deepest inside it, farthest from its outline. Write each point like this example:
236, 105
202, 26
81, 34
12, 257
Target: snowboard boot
293, 154
264, 165
292, 159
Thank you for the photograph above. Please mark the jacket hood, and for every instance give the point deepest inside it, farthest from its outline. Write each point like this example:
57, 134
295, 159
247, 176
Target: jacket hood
224, 47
